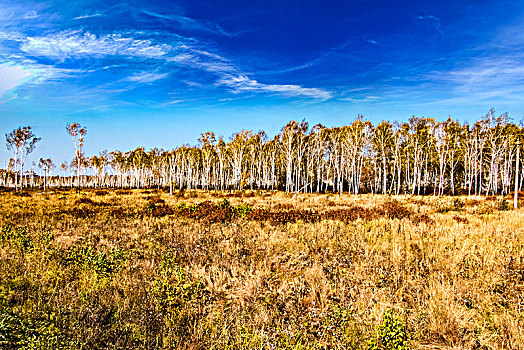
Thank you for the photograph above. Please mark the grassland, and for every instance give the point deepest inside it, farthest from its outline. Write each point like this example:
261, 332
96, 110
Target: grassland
259, 270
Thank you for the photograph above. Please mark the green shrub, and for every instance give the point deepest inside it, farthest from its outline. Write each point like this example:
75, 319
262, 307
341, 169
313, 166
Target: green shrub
180, 298
243, 209
30, 332
45, 238
194, 208
225, 203
391, 334
104, 263
17, 239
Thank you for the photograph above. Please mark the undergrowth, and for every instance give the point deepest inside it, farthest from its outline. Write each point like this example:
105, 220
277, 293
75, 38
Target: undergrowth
144, 270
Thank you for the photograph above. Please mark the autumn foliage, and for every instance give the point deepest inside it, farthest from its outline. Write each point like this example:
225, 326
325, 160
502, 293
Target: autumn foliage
140, 269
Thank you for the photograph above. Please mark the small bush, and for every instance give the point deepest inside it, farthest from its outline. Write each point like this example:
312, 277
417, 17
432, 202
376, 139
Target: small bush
224, 204
180, 298
155, 200
122, 192
103, 262
391, 334
395, 210
32, 332
456, 204
84, 200
460, 219
22, 194
81, 212
157, 207
503, 205
243, 210
18, 239
485, 208
157, 210
192, 194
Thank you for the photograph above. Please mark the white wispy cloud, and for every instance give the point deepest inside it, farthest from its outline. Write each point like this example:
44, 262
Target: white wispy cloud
8, 11
358, 89
12, 36
185, 23
361, 99
192, 83
485, 73
76, 44
494, 72
170, 103
62, 47
433, 22
96, 14
30, 14
203, 62
146, 77
242, 83
237, 81
20, 15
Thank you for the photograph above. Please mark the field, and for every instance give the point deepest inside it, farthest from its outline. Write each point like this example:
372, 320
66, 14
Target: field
139, 269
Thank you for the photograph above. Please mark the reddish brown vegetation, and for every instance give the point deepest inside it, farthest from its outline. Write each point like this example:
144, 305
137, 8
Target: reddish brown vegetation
460, 220
211, 212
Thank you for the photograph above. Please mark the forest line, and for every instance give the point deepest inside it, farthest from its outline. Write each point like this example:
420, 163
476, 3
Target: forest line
420, 156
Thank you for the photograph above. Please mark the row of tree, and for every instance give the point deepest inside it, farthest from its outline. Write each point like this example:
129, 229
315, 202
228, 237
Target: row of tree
421, 156
22, 141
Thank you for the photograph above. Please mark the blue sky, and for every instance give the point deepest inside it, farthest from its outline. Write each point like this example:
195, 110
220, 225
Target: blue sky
143, 73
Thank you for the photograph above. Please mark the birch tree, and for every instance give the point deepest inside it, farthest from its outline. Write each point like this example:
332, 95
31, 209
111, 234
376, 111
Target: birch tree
77, 133
21, 142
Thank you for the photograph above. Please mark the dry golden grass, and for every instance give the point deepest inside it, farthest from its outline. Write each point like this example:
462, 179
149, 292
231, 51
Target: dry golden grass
87, 269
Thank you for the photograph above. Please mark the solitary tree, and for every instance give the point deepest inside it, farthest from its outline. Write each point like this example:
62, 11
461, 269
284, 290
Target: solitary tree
77, 132
21, 142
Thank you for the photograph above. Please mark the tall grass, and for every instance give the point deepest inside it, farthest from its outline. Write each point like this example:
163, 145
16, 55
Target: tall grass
149, 271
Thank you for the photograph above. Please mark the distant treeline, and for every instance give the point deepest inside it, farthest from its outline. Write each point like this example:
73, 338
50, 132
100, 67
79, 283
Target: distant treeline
420, 156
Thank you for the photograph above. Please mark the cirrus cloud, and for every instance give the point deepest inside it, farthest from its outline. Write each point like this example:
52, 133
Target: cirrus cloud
242, 83
64, 47
76, 44
146, 77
